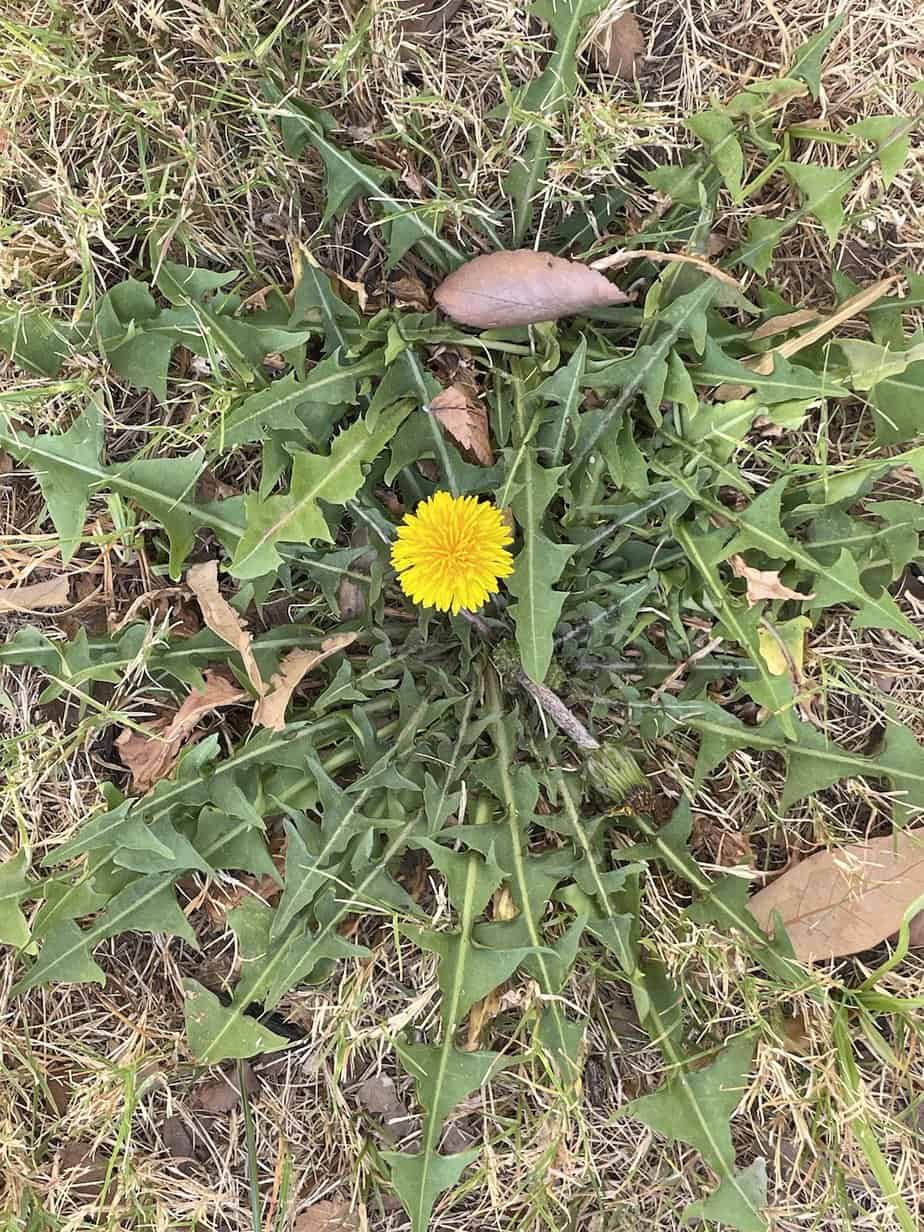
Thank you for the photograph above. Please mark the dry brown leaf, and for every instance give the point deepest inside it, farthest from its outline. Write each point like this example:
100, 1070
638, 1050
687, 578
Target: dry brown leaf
522, 287
783, 324
220, 1095
330, 1216
847, 900
55, 592
426, 18
763, 583
626, 256
379, 1096
151, 755
84, 1170
270, 710
463, 416
222, 619
481, 1013
177, 1138
764, 364
409, 292
618, 46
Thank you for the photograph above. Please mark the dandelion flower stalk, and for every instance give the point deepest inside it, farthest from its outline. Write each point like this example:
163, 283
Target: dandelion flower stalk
451, 552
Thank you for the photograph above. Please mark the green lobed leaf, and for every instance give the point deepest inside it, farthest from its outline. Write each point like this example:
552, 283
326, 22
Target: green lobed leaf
295, 516
737, 1201
537, 567
718, 134
807, 61
15, 885
205, 1021
420, 1179
696, 1107
147, 904
65, 465
139, 355
822, 190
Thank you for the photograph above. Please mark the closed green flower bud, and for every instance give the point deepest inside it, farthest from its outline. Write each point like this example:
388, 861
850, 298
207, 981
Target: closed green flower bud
616, 776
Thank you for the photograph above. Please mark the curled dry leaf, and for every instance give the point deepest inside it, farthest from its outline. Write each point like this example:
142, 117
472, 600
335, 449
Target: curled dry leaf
409, 292
845, 901
916, 932
151, 755
463, 416
55, 592
270, 710
763, 583
618, 45
222, 619
523, 287
328, 1216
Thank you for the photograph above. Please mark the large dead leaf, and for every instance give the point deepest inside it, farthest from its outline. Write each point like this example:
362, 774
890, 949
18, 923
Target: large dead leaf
152, 754
270, 710
617, 45
461, 414
52, 593
845, 901
521, 288
763, 583
222, 619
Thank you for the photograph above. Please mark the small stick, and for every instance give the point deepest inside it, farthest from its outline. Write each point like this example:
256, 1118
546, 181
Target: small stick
552, 705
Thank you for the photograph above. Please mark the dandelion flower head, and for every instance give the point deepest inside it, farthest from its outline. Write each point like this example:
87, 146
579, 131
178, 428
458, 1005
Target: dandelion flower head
451, 552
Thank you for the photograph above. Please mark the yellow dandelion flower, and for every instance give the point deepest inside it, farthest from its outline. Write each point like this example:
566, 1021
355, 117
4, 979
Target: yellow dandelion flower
451, 551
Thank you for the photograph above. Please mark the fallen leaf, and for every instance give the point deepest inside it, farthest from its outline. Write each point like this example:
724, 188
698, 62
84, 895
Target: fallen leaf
786, 651
222, 1094
783, 324
270, 710
152, 754
916, 932
329, 1216
480, 1015
763, 364
59, 1095
763, 583
796, 1031
351, 594
378, 1096
222, 619
618, 45
177, 1138
463, 416
427, 18
523, 287
55, 592
459, 1135
626, 256
846, 900
85, 1169
409, 292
